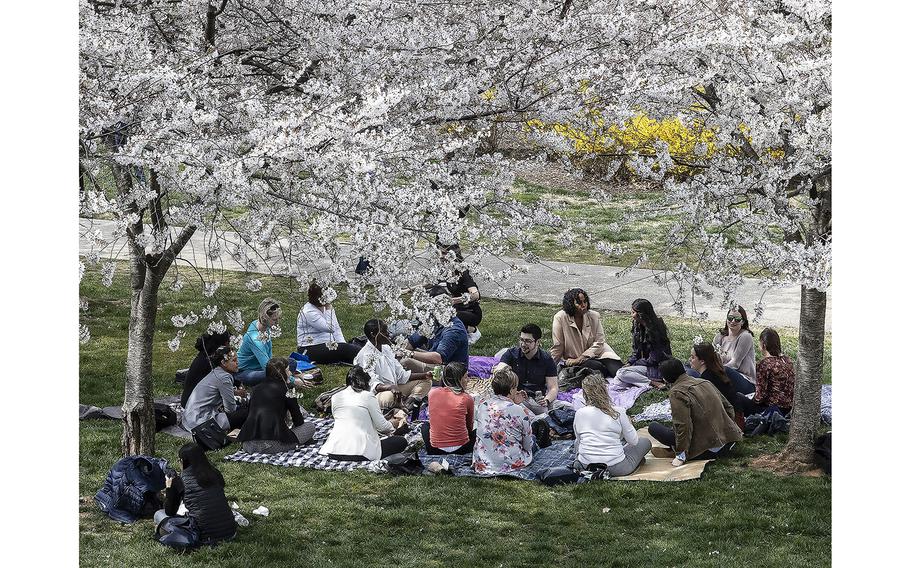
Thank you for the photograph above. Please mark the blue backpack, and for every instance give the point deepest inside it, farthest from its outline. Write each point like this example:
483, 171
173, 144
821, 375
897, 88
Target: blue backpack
179, 533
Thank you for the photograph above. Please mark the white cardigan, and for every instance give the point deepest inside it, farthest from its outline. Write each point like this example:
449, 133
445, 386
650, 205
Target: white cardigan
315, 326
357, 420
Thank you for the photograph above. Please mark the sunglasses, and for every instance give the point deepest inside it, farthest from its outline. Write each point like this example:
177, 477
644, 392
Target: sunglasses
734, 318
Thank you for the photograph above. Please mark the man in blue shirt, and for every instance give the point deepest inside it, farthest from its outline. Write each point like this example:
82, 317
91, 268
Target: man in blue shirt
448, 343
535, 368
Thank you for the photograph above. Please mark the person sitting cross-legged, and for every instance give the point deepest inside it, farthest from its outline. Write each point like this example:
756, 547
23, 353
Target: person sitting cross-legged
703, 420
600, 429
214, 396
774, 378
505, 440
387, 377
535, 368
358, 422
578, 336
265, 430
451, 426
650, 346
319, 333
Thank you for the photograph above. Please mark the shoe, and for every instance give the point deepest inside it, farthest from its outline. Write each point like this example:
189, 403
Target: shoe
473, 337
541, 431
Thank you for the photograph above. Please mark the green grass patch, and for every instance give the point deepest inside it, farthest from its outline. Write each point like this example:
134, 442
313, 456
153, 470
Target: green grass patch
732, 516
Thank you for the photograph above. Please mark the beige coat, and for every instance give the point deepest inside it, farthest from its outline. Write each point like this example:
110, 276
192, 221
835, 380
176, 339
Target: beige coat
570, 343
702, 417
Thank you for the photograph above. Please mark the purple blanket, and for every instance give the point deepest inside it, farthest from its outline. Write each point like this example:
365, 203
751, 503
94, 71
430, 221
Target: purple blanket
623, 395
480, 366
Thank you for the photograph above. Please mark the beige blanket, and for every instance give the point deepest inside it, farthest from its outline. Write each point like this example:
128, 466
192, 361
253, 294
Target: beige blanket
660, 469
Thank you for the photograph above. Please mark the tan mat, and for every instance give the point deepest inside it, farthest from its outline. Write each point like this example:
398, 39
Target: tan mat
660, 469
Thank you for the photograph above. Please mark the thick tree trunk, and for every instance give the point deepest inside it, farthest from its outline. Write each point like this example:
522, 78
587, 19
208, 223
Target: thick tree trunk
138, 410
807, 394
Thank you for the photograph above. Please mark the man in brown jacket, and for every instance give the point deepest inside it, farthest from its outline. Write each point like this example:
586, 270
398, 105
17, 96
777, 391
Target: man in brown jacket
703, 423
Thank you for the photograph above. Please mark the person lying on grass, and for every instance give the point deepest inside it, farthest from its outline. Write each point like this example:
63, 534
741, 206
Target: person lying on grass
201, 488
265, 430
703, 420
450, 429
214, 396
388, 379
600, 429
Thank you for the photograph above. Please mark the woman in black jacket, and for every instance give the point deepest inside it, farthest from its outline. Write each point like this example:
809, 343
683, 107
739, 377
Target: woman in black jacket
201, 365
265, 430
201, 488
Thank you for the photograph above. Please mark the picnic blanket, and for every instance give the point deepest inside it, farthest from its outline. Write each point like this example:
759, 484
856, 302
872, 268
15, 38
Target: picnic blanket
308, 456
660, 411
621, 394
481, 366
560, 453
662, 469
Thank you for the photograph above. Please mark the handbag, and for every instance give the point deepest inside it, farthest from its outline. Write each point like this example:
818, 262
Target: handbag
210, 436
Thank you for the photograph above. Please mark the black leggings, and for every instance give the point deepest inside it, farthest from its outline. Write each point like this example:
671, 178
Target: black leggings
238, 416
390, 445
470, 318
606, 367
322, 355
434, 451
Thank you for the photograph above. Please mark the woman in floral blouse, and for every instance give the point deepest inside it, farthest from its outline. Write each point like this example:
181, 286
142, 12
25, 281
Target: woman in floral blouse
774, 377
504, 437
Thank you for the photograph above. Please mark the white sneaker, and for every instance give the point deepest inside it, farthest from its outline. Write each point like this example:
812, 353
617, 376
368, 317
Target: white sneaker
473, 337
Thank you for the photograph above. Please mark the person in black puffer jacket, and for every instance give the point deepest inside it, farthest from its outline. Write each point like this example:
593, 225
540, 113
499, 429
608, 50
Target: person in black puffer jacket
265, 430
201, 488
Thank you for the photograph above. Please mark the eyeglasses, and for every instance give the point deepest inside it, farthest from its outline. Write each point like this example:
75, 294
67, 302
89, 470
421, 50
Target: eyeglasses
272, 309
526, 341
734, 318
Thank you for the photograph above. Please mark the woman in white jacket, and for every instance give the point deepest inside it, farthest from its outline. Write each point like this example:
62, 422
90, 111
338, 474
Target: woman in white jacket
358, 423
318, 332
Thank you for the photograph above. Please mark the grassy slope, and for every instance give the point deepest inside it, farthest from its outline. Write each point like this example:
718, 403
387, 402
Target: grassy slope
732, 516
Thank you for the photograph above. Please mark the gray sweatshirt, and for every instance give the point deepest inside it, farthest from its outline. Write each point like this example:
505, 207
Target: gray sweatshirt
738, 352
214, 391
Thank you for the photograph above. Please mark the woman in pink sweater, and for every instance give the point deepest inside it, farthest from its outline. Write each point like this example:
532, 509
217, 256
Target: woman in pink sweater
451, 426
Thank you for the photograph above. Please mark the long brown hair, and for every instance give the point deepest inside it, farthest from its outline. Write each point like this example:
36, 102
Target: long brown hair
596, 395
706, 352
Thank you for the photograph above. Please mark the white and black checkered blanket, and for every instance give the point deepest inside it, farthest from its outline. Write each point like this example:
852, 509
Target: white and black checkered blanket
308, 456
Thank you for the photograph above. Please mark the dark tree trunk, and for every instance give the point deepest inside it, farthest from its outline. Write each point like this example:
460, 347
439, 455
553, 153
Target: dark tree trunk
807, 393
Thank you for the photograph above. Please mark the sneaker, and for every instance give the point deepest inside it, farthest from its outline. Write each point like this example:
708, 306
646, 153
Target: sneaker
541, 430
473, 337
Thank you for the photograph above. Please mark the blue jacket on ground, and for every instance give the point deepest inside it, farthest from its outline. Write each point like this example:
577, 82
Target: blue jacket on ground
131, 482
253, 354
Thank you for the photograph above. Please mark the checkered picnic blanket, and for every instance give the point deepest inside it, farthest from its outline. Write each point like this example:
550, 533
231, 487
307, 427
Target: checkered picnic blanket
560, 453
308, 456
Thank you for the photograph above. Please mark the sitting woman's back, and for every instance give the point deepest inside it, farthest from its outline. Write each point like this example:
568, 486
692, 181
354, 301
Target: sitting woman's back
201, 488
265, 430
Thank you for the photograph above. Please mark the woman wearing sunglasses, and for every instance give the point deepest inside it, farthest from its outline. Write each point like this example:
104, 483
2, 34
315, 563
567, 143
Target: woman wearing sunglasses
736, 348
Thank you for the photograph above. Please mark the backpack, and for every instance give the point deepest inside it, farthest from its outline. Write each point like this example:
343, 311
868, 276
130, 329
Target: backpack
323, 402
179, 533
164, 416
131, 488
559, 476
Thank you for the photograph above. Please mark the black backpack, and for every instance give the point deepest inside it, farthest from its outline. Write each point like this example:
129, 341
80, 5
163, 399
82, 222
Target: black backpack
823, 452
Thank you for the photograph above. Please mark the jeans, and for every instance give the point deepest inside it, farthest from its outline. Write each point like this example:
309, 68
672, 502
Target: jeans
250, 376
740, 382
635, 456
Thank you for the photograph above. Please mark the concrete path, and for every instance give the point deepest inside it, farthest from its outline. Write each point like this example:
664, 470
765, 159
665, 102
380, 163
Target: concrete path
546, 282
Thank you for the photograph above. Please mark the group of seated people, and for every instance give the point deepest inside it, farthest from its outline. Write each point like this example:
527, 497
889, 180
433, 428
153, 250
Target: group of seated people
501, 430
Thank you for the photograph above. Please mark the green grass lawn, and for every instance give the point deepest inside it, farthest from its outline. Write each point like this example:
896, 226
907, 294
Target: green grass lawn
732, 516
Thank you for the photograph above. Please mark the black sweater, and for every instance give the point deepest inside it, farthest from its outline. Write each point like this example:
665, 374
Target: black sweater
207, 505
268, 406
199, 368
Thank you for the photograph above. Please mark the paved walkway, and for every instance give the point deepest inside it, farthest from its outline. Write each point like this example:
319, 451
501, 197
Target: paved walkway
546, 282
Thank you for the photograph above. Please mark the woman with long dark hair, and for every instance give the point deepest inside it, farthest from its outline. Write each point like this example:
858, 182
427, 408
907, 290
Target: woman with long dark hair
201, 488
736, 347
600, 429
319, 333
578, 336
774, 379
650, 346
450, 429
706, 361
265, 430
358, 422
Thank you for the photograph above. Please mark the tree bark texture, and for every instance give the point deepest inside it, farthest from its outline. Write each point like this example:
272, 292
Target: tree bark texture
810, 361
